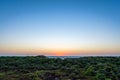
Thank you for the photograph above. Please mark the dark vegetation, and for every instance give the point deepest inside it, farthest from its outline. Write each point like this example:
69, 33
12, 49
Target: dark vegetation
43, 68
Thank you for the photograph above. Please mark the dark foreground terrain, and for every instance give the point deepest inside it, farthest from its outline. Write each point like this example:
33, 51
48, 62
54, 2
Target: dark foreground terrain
43, 68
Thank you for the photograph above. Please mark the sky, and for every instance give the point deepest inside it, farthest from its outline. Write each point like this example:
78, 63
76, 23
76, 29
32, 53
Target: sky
60, 27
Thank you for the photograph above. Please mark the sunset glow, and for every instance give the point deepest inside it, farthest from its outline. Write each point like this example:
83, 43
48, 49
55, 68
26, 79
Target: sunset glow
59, 27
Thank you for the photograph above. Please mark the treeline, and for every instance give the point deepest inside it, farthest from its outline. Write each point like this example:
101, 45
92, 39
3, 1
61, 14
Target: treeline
44, 68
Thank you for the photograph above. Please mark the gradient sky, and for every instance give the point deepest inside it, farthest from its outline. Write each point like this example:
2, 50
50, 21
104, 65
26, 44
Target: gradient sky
60, 27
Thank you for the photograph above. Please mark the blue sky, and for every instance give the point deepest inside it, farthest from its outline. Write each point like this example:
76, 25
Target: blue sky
44, 26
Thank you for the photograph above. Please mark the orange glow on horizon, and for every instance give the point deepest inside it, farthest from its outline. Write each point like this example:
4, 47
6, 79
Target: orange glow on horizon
59, 52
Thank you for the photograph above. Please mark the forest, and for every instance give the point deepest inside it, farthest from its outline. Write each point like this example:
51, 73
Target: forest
44, 68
